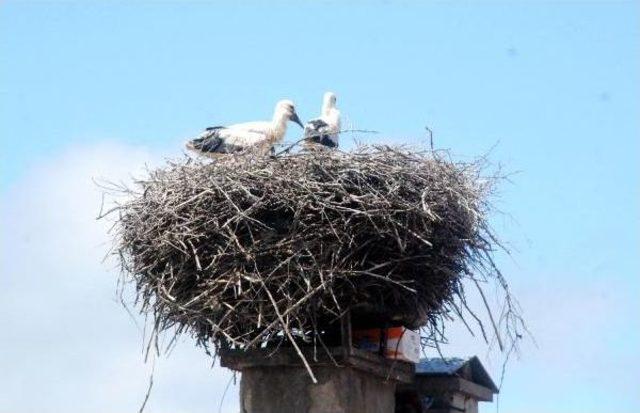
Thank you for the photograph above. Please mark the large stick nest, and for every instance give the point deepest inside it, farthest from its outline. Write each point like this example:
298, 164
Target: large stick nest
247, 250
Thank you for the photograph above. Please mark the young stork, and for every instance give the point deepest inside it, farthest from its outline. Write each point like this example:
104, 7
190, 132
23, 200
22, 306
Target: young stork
255, 136
325, 129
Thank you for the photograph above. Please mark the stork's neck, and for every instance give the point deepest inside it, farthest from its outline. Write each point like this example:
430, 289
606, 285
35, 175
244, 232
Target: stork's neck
327, 108
332, 116
279, 125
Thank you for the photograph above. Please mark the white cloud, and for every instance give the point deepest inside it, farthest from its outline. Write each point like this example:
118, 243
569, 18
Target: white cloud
68, 345
585, 340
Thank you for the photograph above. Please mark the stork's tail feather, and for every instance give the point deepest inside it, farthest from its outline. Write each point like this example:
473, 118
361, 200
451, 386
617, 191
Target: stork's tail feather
196, 144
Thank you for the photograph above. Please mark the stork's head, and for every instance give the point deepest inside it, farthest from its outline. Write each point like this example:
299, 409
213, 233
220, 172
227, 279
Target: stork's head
328, 102
286, 109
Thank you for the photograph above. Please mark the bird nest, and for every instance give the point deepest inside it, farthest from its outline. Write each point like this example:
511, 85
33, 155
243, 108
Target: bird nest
246, 251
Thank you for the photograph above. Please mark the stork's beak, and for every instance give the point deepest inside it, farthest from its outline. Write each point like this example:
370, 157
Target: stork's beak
296, 119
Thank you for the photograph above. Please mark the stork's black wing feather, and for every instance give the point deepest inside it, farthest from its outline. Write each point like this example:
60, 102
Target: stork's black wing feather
326, 141
317, 124
317, 130
211, 142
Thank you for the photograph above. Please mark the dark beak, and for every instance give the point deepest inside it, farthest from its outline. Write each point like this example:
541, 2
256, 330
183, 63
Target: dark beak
296, 119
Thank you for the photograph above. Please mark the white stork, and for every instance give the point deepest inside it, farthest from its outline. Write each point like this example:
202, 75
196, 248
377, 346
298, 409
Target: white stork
325, 129
258, 136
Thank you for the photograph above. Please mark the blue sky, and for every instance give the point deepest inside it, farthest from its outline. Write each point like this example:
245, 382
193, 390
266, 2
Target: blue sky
98, 89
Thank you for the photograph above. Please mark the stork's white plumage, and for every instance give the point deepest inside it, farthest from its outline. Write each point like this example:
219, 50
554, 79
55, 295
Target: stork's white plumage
324, 130
256, 136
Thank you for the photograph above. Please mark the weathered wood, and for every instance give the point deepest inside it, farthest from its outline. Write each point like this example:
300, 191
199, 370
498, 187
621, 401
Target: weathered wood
345, 334
479, 392
439, 385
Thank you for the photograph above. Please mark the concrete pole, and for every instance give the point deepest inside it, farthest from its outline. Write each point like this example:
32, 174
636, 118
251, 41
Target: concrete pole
353, 382
290, 390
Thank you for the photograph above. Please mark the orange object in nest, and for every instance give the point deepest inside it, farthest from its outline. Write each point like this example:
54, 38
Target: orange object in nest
398, 343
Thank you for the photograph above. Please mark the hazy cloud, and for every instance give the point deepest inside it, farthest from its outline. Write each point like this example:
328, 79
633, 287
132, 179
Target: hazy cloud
67, 344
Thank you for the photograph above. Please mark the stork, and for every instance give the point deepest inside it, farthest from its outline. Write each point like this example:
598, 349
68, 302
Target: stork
325, 129
256, 136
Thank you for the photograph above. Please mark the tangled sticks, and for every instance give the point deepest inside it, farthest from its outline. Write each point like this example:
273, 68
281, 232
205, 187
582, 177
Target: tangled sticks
247, 251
